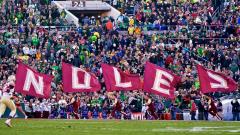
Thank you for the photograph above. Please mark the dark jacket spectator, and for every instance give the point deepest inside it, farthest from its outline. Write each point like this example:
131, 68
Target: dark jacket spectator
235, 109
235, 106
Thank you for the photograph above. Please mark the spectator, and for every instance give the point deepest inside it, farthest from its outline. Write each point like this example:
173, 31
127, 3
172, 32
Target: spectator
62, 103
84, 110
37, 109
235, 109
201, 110
84, 3
46, 109
26, 50
95, 112
219, 107
173, 111
193, 109
206, 108
28, 109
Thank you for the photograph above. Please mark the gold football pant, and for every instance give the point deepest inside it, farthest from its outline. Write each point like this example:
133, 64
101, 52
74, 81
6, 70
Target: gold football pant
6, 102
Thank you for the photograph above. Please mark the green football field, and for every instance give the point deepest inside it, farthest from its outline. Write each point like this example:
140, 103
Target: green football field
118, 127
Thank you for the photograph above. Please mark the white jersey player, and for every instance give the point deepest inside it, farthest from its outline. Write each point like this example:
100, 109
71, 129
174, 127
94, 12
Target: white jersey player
6, 101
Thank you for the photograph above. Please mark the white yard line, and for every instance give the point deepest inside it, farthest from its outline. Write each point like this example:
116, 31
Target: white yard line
174, 129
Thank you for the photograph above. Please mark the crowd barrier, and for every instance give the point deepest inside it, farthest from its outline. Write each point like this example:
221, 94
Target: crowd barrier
185, 115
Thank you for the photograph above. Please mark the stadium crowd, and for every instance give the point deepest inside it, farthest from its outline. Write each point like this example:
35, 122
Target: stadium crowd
169, 34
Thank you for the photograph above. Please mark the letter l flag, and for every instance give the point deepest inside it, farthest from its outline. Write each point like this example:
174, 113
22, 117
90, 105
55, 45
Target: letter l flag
115, 79
160, 81
211, 81
30, 82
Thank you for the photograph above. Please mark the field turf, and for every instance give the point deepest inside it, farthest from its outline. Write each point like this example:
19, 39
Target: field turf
118, 127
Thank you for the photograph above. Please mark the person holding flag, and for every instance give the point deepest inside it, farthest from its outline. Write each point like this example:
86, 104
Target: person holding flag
212, 107
150, 107
117, 105
75, 102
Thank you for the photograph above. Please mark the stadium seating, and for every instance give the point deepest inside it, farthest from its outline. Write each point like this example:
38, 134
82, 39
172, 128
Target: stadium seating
169, 33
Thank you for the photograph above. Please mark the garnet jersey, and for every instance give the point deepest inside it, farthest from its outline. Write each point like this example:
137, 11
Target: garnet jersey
16, 100
213, 106
76, 104
213, 109
151, 107
117, 108
118, 105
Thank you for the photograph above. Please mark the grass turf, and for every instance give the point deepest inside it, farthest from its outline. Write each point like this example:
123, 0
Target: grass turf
118, 127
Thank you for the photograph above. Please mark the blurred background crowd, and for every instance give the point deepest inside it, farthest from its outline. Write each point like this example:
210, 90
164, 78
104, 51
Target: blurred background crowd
169, 33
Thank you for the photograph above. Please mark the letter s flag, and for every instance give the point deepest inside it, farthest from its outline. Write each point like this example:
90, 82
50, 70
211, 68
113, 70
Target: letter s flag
211, 81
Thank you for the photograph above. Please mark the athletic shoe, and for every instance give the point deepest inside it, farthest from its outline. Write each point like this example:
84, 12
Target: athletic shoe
8, 123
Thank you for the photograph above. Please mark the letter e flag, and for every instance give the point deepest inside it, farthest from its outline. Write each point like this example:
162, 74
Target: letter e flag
159, 81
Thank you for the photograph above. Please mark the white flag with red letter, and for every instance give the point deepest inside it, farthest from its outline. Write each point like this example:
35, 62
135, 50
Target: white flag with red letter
159, 81
30, 82
211, 81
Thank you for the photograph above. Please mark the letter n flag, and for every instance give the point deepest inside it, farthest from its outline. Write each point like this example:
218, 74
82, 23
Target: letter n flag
211, 81
78, 80
30, 82
159, 81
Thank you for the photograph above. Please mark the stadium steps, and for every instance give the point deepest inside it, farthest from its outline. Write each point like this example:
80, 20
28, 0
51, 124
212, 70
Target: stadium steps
92, 8
219, 6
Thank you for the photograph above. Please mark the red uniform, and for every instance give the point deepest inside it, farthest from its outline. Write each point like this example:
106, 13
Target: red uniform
117, 107
151, 109
213, 109
17, 101
76, 105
